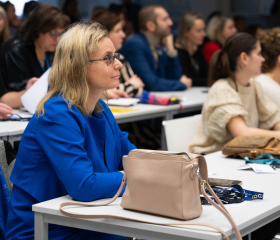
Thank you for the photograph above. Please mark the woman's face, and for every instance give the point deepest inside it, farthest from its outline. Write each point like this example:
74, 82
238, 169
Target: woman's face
229, 29
11, 13
48, 41
2, 25
101, 77
196, 34
255, 60
117, 35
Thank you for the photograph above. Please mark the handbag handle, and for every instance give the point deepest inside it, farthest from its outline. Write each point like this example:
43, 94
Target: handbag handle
203, 184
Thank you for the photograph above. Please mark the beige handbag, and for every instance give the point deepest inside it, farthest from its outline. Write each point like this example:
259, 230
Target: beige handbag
163, 183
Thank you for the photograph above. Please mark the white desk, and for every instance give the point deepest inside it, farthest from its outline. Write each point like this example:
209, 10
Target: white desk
192, 100
248, 216
12, 130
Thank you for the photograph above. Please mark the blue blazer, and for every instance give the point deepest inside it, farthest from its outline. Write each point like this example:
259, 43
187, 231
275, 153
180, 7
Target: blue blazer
64, 152
166, 78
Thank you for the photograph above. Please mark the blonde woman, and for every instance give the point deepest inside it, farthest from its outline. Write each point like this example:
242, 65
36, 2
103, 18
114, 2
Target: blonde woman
72, 144
190, 37
4, 27
270, 77
219, 29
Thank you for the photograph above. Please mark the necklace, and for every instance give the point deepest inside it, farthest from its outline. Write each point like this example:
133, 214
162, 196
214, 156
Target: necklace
42, 62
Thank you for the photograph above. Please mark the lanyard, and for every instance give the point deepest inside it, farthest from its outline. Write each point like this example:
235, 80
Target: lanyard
233, 194
267, 159
47, 64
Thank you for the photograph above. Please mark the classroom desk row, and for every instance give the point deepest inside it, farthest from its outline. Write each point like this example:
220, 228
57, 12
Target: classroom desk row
192, 100
249, 215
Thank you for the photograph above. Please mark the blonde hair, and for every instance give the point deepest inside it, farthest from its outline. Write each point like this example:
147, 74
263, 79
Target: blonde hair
186, 23
69, 68
5, 35
270, 44
215, 28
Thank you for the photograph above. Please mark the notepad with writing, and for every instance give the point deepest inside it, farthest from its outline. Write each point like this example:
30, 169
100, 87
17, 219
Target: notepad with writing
124, 102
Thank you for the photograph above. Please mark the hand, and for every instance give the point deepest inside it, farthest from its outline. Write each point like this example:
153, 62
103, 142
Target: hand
136, 81
116, 93
5, 111
187, 81
30, 82
168, 43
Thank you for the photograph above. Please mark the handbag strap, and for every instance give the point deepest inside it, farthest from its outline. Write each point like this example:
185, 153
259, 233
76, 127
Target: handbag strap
204, 185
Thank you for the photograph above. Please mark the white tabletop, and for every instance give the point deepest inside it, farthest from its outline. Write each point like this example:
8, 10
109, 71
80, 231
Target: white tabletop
9, 128
248, 216
191, 100
195, 96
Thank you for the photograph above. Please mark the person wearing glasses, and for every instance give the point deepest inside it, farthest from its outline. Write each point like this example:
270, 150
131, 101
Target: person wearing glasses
72, 145
27, 56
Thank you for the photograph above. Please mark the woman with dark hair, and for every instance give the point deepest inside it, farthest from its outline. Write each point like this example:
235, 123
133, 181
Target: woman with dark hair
129, 82
27, 56
70, 8
190, 37
14, 21
28, 8
236, 104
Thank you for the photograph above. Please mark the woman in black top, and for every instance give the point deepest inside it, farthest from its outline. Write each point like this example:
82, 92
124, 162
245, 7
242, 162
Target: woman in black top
129, 82
190, 37
27, 56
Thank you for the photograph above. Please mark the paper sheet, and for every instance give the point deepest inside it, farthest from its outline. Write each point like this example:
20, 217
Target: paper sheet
258, 168
125, 102
31, 98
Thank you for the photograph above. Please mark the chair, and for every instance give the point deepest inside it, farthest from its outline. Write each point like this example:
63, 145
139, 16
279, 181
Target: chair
7, 157
178, 133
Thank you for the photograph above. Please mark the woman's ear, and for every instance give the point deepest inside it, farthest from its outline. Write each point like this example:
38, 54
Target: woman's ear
243, 57
278, 60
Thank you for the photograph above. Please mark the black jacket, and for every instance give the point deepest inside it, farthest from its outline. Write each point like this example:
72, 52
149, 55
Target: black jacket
197, 72
18, 63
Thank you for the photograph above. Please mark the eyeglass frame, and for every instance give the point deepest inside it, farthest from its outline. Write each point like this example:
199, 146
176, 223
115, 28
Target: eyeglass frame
55, 34
115, 56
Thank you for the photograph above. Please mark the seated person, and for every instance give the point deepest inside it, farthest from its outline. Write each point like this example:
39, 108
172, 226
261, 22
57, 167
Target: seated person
236, 104
72, 145
30, 54
129, 82
159, 68
190, 36
5, 111
219, 29
14, 21
4, 27
270, 77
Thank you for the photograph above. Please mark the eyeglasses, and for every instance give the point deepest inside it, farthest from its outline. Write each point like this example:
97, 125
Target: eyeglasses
110, 60
55, 35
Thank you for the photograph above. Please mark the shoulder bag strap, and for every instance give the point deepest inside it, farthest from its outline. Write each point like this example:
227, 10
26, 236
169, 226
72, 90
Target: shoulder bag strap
203, 184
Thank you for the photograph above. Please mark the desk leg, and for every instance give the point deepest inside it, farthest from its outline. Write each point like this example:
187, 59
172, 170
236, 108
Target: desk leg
40, 227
